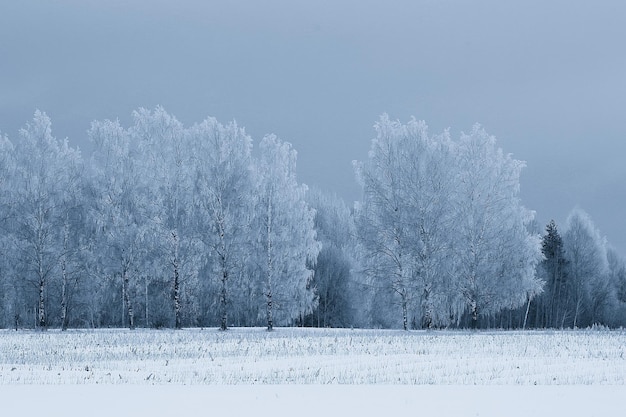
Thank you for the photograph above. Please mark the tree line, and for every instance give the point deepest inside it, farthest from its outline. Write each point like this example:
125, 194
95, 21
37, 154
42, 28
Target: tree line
170, 226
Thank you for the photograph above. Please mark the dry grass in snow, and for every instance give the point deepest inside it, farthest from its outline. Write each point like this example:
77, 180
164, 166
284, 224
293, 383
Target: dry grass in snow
312, 356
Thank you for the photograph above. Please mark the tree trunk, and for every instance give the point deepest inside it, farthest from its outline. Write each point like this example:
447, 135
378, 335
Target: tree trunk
270, 267
325, 310
64, 290
474, 310
577, 311
64, 282
427, 319
526, 315
146, 300
550, 303
270, 314
223, 299
41, 317
405, 311
41, 306
559, 303
177, 308
127, 300
64, 278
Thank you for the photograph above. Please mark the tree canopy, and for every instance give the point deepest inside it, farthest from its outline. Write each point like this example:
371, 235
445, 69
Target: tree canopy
172, 226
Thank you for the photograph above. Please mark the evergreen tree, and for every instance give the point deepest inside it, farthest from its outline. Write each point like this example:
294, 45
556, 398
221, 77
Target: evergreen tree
551, 305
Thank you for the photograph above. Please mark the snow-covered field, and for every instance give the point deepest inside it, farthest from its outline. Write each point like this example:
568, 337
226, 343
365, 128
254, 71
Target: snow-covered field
486, 372
311, 356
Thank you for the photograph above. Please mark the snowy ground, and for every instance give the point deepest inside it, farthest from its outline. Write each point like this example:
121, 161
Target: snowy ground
251, 371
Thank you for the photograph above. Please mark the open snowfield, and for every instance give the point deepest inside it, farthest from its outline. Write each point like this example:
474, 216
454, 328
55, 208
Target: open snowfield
253, 371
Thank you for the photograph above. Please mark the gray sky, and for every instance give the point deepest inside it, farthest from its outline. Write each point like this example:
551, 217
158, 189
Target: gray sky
548, 79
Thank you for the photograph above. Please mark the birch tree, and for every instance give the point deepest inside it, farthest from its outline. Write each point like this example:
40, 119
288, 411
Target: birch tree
384, 234
617, 279
7, 295
45, 183
405, 219
164, 145
494, 253
120, 209
74, 239
223, 200
428, 186
286, 235
585, 250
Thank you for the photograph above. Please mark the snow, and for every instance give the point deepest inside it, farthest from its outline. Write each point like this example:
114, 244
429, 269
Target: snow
313, 400
314, 371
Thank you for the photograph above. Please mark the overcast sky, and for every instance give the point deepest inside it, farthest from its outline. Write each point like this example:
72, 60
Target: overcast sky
548, 79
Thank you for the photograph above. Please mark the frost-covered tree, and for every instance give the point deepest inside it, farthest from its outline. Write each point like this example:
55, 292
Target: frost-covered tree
585, 251
429, 184
75, 242
121, 210
441, 224
6, 174
7, 295
286, 245
383, 221
617, 281
494, 255
223, 201
164, 147
405, 219
45, 190
334, 282
440, 237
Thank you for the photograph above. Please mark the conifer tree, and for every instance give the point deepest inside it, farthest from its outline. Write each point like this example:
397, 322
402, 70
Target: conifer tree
551, 306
